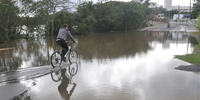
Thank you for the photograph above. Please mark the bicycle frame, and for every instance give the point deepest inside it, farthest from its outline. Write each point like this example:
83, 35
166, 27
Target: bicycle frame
69, 49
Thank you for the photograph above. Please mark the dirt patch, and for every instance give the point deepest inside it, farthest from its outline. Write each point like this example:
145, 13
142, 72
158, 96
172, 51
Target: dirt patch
192, 68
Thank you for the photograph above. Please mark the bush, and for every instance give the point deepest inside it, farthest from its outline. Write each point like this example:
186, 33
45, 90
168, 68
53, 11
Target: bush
83, 28
195, 13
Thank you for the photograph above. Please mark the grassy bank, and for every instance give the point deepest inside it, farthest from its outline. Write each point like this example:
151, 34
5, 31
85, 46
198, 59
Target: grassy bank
193, 58
199, 22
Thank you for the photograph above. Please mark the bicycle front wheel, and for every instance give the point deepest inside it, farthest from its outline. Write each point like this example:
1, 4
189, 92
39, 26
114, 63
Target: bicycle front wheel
73, 56
56, 59
73, 69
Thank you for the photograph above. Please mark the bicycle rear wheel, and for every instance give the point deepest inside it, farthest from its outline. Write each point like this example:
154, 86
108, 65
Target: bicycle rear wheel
56, 75
73, 56
56, 59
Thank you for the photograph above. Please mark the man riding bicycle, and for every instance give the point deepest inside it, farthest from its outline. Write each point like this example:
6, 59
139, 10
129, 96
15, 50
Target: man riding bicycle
61, 38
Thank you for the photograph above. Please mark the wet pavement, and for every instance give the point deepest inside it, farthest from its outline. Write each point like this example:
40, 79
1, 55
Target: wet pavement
160, 26
13, 89
23, 74
111, 66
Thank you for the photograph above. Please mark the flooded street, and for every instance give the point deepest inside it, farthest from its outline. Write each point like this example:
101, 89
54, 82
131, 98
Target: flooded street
111, 66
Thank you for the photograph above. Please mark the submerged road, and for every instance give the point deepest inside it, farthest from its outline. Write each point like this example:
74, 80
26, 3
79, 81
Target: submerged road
140, 76
173, 27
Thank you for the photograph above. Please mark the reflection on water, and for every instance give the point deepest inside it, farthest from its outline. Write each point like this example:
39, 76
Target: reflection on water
23, 95
36, 52
66, 80
26, 53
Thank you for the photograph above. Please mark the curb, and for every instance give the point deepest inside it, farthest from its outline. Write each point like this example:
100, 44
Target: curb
23, 74
191, 30
3, 49
143, 29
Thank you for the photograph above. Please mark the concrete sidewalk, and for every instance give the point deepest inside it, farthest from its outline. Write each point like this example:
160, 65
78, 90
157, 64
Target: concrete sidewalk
192, 28
10, 81
157, 24
24, 74
147, 28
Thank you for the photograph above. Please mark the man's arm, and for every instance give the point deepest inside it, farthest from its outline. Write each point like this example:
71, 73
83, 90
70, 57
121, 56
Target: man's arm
71, 37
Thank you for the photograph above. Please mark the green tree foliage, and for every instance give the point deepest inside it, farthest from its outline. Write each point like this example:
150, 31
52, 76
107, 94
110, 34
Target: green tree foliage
9, 19
99, 17
61, 18
195, 13
15, 14
85, 18
111, 16
172, 12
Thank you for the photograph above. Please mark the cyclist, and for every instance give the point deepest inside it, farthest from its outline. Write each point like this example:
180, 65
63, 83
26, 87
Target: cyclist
61, 38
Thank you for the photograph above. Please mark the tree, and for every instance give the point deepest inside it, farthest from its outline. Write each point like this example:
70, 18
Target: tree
9, 19
61, 18
133, 13
195, 13
63, 4
85, 17
172, 12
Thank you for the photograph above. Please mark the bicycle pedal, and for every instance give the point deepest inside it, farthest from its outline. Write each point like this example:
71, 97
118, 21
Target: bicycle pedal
63, 59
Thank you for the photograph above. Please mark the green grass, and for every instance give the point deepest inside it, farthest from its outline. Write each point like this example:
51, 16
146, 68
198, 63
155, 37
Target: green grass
193, 58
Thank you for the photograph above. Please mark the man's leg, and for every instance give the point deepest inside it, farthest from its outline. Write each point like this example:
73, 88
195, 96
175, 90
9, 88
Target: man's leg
65, 46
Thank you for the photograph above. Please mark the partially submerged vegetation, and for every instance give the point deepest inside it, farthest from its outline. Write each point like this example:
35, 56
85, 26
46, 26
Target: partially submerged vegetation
193, 58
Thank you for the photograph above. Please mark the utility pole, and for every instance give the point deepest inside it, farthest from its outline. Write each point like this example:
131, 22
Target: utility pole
178, 12
190, 6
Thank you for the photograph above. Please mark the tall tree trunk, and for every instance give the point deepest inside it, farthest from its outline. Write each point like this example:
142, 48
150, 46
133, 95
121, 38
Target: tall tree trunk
47, 17
52, 28
47, 26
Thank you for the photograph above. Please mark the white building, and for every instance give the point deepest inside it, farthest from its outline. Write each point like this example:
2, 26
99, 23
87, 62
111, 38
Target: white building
167, 3
179, 8
79, 2
168, 6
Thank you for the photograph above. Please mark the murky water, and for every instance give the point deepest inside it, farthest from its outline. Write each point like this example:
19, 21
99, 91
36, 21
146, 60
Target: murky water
112, 66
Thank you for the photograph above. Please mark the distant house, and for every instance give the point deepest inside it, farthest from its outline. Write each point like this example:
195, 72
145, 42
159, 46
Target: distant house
181, 16
160, 16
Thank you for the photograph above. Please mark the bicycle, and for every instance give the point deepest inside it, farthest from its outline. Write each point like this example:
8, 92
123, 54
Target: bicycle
56, 74
71, 53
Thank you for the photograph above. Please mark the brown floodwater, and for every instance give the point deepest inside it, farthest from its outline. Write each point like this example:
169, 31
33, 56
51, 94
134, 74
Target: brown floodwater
111, 66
